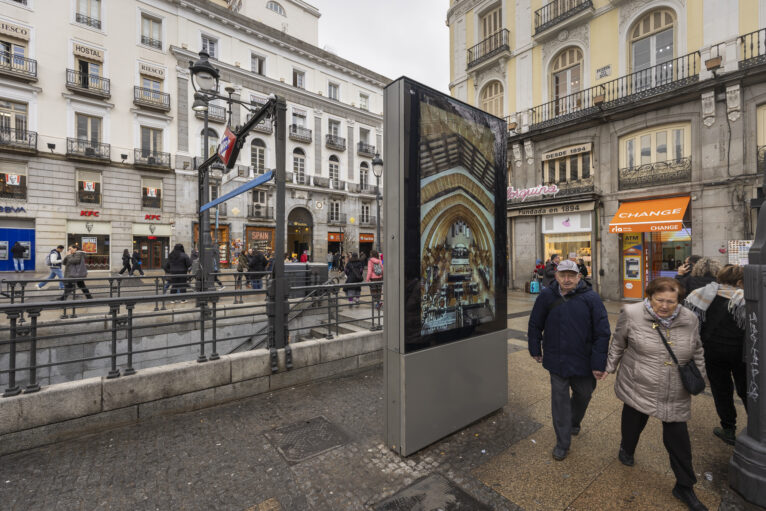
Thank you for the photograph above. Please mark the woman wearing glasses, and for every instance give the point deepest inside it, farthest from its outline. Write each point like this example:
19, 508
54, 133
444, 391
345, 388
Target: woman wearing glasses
648, 381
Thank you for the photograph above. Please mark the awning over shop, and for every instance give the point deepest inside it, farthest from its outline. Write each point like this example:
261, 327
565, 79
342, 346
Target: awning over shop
650, 215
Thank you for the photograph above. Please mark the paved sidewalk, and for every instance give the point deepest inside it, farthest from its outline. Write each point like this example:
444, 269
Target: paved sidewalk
256, 454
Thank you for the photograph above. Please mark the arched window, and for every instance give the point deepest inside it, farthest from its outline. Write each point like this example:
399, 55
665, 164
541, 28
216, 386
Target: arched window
299, 166
273, 6
492, 98
652, 49
212, 141
566, 72
364, 174
258, 156
335, 171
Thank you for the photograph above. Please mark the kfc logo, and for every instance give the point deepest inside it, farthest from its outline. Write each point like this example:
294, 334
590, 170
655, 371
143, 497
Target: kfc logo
88, 213
152, 217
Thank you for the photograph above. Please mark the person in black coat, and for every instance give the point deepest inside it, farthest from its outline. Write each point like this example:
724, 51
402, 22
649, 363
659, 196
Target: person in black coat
354, 271
17, 251
136, 260
583, 268
257, 263
549, 274
697, 272
178, 264
126, 262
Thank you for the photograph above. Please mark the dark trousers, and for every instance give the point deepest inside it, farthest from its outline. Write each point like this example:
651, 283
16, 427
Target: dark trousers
675, 436
125, 267
724, 364
568, 410
375, 292
69, 289
136, 268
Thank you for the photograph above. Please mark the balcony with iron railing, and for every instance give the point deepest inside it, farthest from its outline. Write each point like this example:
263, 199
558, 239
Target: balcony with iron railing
89, 84
557, 12
215, 113
337, 184
494, 45
299, 134
87, 149
265, 126
148, 41
639, 85
16, 66
301, 178
335, 142
151, 159
368, 188
336, 218
368, 220
260, 212
150, 98
365, 149
752, 49
18, 140
660, 173
87, 20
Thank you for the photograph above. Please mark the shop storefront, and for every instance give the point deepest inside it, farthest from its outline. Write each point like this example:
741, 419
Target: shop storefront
153, 244
335, 242
11, 231
220, 241
260, 238
569, 236
366, 242
93, 238
655, 238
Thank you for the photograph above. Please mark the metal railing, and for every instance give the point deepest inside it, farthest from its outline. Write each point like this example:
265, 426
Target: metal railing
151, 98
87, 148
258, 211
300, 178
335, 142
367, 220
16, 65
492, 45
87, 20
557, 11
655, 174
148, 41
752, 49
265, 126
18, 139
149, 158
337, 184
664, 77
365, 149
87, 83
336, 218
215, 113
299, 133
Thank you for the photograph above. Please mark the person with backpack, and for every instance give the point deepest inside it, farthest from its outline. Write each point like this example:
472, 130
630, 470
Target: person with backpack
136, 261
126, 262
375, 273
75, 268
53, 261
354, 270
257, 263
178, 264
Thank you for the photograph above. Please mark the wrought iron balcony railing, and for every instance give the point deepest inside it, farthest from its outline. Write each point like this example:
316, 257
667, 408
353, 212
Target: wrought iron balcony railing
149, 158
215, 113
265, 126
337, 184
300, 178
260, 211
18, 66
489, 47
87, 149
365, 149
655, 174
87, 83
624, 90
336, 218
335, 142
367, 220
148, 41
18, 139
151, 98
87, 20
557, 11
752, 49
300, 134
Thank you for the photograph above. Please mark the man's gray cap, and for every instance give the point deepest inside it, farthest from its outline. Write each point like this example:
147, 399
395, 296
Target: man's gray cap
567, 265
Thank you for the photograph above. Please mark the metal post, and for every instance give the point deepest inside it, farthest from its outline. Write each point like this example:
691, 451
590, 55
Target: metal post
114, 372
377, 202
204, 239
280, 298
129, 370
202, 310
12, 389
214, 354
33, 386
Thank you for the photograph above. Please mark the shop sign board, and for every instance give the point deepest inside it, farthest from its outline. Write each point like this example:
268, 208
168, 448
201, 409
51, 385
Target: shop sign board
12, 209
632, 253
335, 237
366, 238
535, 191
152, 217
568, 151
87, 212
553, 210
261, 239
82, 50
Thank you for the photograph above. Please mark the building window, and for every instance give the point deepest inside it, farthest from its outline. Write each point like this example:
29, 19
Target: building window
565, 80
210, 45
299, 166
12, 54
212, 141
257, 64
258, 156
151, 31
13, 120
88, 187
333, 127
13, 180
364, 101
273, 6
89, 13
334, 170
151, 193
333, 91
259, 197
364, 174
152, 88
570, 164
215, 189
151, 141
90, 74
364, 135
652, 49
299, 118
658, 145
334, 211
88, 128
299, 79
492, 98
365, 213
491, 22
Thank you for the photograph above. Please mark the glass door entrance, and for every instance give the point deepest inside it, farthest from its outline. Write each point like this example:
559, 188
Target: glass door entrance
153, 250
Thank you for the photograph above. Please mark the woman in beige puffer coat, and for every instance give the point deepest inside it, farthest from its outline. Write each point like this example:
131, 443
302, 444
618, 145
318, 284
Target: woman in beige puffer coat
648, 381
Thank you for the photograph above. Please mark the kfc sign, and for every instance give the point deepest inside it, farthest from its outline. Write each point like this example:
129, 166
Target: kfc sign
88, 213
152, 217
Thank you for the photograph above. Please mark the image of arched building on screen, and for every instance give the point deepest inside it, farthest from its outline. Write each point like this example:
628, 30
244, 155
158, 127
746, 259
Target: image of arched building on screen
457, 234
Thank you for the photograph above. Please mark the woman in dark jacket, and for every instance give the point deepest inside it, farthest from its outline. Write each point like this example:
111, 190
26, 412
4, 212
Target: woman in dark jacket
354, 273
178, 263
136, 260
720, 307
125, 262
697, 272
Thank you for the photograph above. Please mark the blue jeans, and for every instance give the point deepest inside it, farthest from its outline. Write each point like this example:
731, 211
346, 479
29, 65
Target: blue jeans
18, 264
55, 272
329, 266
257, 284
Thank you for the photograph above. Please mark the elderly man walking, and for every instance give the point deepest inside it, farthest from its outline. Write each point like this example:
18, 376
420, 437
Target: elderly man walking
569, 333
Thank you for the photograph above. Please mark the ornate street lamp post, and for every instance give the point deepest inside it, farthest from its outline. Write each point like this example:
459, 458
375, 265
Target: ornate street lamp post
377, 170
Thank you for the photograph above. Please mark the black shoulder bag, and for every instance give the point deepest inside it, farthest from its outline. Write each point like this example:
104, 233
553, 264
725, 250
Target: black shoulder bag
691, 378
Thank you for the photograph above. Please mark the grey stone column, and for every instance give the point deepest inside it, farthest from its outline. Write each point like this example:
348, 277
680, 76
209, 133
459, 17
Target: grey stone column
317, 145
183, 114
351, 150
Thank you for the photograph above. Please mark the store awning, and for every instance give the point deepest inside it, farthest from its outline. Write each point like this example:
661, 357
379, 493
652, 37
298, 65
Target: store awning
650, 215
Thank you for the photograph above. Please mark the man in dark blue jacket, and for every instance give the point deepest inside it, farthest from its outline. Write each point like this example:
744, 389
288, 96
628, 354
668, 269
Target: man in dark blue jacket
571, 323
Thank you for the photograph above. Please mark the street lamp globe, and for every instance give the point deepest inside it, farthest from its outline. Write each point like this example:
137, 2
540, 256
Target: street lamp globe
200, 103
377, 166
204, 74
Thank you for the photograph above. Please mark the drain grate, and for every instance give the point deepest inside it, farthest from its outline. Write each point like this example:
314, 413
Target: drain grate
429, 494
305, 439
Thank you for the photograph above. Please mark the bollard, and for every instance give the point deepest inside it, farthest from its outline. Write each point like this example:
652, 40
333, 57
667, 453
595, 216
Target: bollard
12, 389
33, 385
129, 370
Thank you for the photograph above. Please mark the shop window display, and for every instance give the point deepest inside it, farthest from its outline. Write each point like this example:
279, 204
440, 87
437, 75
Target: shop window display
96, 248
571, 243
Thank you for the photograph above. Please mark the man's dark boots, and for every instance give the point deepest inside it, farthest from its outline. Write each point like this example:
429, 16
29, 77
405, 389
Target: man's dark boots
687, 496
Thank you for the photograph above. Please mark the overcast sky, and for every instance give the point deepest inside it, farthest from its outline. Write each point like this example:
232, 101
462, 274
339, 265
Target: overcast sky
391, 37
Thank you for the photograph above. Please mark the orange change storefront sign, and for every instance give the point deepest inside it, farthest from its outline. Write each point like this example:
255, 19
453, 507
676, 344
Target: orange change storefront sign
655, 215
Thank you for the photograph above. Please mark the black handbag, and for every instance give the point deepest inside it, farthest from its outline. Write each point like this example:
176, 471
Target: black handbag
691, 378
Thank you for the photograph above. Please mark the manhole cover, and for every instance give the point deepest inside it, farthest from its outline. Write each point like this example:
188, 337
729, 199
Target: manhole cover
433, 492
305, 439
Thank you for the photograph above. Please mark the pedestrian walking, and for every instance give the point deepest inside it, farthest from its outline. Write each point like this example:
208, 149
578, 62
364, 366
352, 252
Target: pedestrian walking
354, 274
17, 252
242, 264
569, 334
178, 264
649, 382
305, 256
549, 273
53, 260
375, 273
215, 257
720, 307
136, 262
336, 261
582, 268
257, 264
126, 257
75, 268
329, 261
